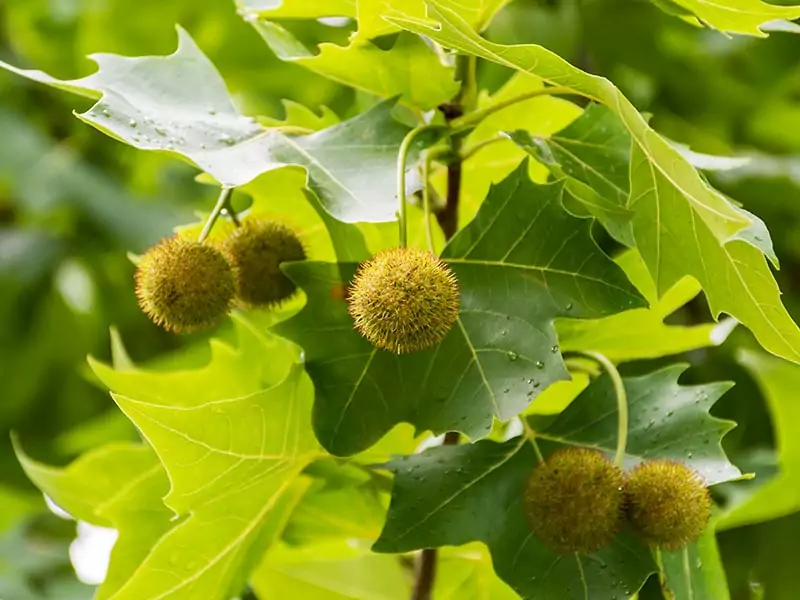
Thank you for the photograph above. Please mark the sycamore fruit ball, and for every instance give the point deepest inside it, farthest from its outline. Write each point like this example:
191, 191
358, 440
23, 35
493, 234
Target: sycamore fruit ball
574, 500
184, 286
668, 504
404, 300
256, 251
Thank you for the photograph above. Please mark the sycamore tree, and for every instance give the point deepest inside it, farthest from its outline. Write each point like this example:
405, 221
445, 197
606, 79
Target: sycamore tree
443, 343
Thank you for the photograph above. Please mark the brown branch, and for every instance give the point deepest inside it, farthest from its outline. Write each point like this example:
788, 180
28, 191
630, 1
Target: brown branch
447, 218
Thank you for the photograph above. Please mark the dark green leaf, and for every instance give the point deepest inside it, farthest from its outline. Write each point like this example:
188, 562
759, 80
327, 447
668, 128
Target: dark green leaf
521, 263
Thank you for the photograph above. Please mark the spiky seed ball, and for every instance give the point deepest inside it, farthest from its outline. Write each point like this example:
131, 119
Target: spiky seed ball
184, 286
404, 300
668, 504
574, 500
256, 250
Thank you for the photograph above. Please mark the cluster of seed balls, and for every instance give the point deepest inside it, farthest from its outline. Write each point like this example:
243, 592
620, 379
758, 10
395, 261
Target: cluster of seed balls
187, 286
577, 501
401, 300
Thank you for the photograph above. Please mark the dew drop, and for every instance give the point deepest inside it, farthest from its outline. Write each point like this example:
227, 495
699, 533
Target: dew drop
506, 390
106, 113
174, 559
161, 131
535, 384
568, 306
132, 123
513, 356
651, 423
688, 455
539, 364
554, 349
670, 413
212, 111
504, 332
190, 566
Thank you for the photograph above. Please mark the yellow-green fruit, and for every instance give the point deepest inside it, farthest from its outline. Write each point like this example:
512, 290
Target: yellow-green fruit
184, 286
668, 505
404, 300
574, 500
256, 251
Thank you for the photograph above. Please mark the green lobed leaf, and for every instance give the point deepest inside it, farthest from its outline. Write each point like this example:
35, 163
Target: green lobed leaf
670, 233
233, 438
454, 494
746, 17
119, 486
409, 70
179, 104
521, 263
780, 496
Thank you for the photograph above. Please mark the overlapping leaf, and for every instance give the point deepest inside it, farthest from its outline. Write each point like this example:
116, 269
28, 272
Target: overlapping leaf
707, 236
521, 263
452, 495
746, 17
670, 233
179, 104
233, 437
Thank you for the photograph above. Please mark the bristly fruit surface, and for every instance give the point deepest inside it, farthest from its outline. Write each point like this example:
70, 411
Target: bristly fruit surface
184, 286
668, 504
256, 251
574, 500
404, 300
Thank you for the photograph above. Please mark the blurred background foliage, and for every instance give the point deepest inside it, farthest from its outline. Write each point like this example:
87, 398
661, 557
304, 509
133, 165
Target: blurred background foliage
73, 202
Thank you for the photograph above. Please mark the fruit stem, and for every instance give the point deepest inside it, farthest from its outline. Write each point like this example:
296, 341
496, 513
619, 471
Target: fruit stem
530, 434
402, 158
430, 156
224, 198
475, 117
622, 403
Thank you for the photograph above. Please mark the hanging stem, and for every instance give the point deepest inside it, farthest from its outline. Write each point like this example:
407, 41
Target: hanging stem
475, 117
430, 156
622, 403
402, 159
222, 201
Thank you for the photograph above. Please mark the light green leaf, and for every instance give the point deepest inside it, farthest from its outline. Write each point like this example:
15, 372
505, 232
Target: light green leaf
119, 486
331, 571
466, 573
521, 263
179, 104
746, 17
734, 274
453, 32
371, 13
642, 333
780, 496
409, 69
233, 437
696, 571
298, 9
